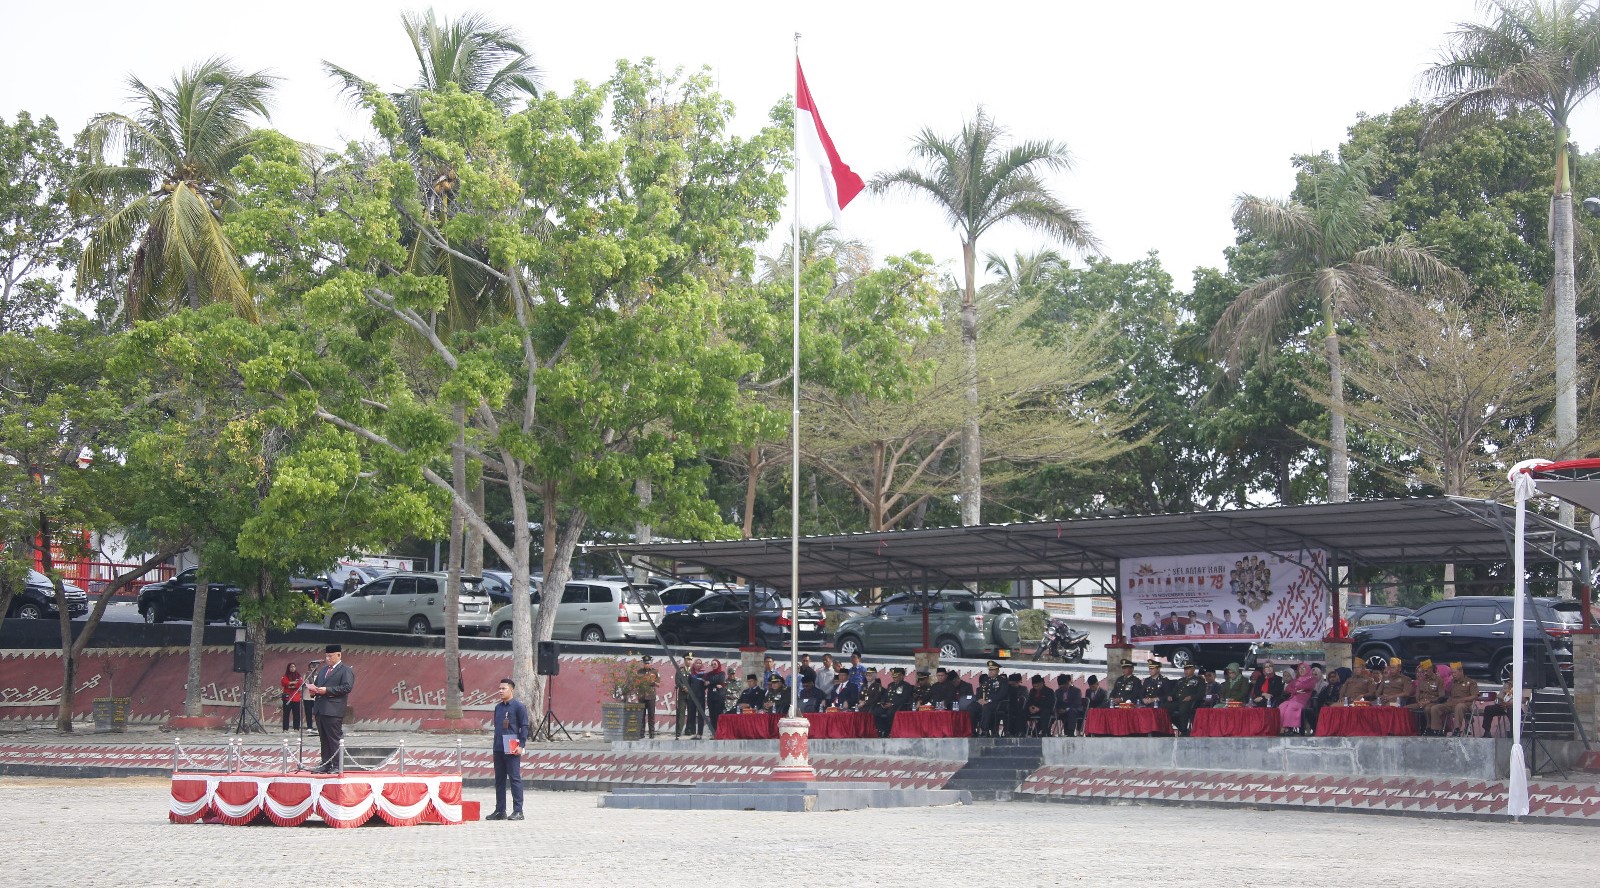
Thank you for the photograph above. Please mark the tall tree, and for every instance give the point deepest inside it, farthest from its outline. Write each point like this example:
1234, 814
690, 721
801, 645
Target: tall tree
38, 232
1327, 257
1544, 56
158, 181
979, 182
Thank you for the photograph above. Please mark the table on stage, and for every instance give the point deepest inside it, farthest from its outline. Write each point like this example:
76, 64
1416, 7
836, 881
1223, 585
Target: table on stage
1118, 722
931, 723
1237, 721
841, 725
824, 726
1365, 721
747, 726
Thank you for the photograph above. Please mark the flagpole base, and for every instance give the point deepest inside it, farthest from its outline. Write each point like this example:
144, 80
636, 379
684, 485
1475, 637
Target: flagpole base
794, 750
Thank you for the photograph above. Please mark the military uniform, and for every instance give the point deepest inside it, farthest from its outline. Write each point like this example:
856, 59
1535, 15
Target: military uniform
1394, 689
1188, 694
876, 701
776, 701
1359, 686
924, 694
1458, 702
1155, 691
1127, 689
900, 696
993, 695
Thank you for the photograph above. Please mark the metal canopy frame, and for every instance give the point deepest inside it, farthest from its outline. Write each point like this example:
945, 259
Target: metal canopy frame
1425, 530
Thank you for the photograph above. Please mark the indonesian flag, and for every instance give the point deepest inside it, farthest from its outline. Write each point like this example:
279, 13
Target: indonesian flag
839, 182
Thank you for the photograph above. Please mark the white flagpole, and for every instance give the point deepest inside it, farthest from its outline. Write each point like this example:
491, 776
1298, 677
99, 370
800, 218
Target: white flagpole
794, 429
1517, 789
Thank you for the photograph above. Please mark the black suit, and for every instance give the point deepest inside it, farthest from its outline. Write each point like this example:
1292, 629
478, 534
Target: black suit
336, 682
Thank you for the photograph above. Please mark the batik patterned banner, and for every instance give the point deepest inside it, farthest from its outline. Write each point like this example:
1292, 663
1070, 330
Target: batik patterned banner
1226, 597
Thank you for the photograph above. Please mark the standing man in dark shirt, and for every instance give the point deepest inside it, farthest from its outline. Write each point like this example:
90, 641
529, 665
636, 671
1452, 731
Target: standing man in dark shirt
1127, 688
511, 725
331, 685
993, 696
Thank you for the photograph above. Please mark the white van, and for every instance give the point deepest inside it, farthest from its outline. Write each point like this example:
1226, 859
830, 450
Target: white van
410, 601
597, 610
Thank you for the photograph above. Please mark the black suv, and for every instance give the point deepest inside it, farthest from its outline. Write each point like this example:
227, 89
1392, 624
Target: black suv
174, 600
36, 600
1475, 630
724, 618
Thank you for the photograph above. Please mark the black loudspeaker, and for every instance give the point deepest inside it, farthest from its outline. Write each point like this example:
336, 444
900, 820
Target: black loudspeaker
244, 656
548, 662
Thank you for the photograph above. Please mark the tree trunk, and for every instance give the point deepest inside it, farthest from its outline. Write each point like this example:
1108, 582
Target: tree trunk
255, 632
1566, 323
193, 706
521, 583
69, 663
452, 593
643, 532
971, 444
752, 464
473, 566
555, 580
1338, 445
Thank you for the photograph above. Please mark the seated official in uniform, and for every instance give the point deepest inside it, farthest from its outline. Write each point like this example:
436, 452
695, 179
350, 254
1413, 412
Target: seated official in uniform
1458, 701
1127, 689
753, 695
1394, 689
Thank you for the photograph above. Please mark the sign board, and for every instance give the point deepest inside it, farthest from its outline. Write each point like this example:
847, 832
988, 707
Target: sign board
1226, 597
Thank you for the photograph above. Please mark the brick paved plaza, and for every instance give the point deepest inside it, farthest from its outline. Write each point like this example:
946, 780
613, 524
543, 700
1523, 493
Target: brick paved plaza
85, 833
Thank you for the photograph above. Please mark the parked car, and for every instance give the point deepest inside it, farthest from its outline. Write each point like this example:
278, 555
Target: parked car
411, 601
959, 625
1212, 655
1475, 630
835, 601
497, 583
679, 596
724, 618
173, 600
597, 610
316, 588
36, 600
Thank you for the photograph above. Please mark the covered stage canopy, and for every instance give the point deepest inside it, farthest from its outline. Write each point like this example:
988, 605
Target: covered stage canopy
1434, 530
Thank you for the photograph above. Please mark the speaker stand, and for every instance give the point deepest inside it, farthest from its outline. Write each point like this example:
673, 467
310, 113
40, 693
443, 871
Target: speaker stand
551, 722
249, 720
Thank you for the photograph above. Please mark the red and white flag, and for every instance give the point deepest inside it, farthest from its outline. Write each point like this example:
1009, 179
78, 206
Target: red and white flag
839, 182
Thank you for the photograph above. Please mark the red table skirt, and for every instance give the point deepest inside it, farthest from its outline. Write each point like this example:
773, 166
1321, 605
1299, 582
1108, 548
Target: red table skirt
754, 726
840, 725
1365, 721
935, 723
1126, 722
1237, 722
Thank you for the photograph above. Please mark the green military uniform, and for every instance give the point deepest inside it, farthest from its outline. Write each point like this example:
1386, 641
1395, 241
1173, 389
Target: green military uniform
1127, 689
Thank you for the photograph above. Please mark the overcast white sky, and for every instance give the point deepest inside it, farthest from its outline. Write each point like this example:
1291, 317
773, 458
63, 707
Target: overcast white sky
1171, 109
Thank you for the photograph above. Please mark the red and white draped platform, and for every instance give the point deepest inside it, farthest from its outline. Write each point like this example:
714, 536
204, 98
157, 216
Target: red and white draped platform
339, 800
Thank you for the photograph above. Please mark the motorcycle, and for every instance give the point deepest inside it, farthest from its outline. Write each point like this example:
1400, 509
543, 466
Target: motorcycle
1062, 642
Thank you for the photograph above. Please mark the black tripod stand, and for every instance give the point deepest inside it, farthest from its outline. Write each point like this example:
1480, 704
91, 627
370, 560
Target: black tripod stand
249, 720
551, 722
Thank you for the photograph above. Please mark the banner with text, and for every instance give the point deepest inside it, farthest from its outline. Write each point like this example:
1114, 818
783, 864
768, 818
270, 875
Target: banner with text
1229, 597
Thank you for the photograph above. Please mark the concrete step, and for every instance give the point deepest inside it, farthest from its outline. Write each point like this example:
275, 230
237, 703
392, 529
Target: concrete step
780, 796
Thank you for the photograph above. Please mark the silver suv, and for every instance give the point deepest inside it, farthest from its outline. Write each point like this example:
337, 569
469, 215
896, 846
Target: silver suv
410, 601
598, 610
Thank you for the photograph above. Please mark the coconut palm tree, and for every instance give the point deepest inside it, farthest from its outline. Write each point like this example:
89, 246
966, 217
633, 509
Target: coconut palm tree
472, 53
979, 183
164, 195
1545, 56
1327, 257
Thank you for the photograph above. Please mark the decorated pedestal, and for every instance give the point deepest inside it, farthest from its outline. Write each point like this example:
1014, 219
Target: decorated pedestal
794, 750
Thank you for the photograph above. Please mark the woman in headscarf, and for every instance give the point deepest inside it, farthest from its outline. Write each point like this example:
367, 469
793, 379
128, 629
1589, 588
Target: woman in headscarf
1235, 687
1333, 692
1266, 686
1300, 690
716, 683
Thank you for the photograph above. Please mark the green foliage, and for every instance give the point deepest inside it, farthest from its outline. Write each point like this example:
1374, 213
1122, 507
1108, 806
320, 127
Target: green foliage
38, 231
1031, 622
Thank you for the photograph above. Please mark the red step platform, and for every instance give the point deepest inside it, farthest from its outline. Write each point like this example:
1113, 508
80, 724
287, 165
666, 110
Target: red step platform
339, 800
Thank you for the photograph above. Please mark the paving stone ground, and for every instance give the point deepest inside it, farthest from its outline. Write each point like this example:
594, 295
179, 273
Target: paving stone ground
84, 833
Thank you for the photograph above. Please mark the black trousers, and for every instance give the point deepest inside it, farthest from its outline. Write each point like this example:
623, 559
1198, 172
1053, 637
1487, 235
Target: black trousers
311, 713
507, 769
330, 731
291, 707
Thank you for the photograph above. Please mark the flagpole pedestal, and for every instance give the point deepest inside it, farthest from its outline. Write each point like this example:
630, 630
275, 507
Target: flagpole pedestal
794, 750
